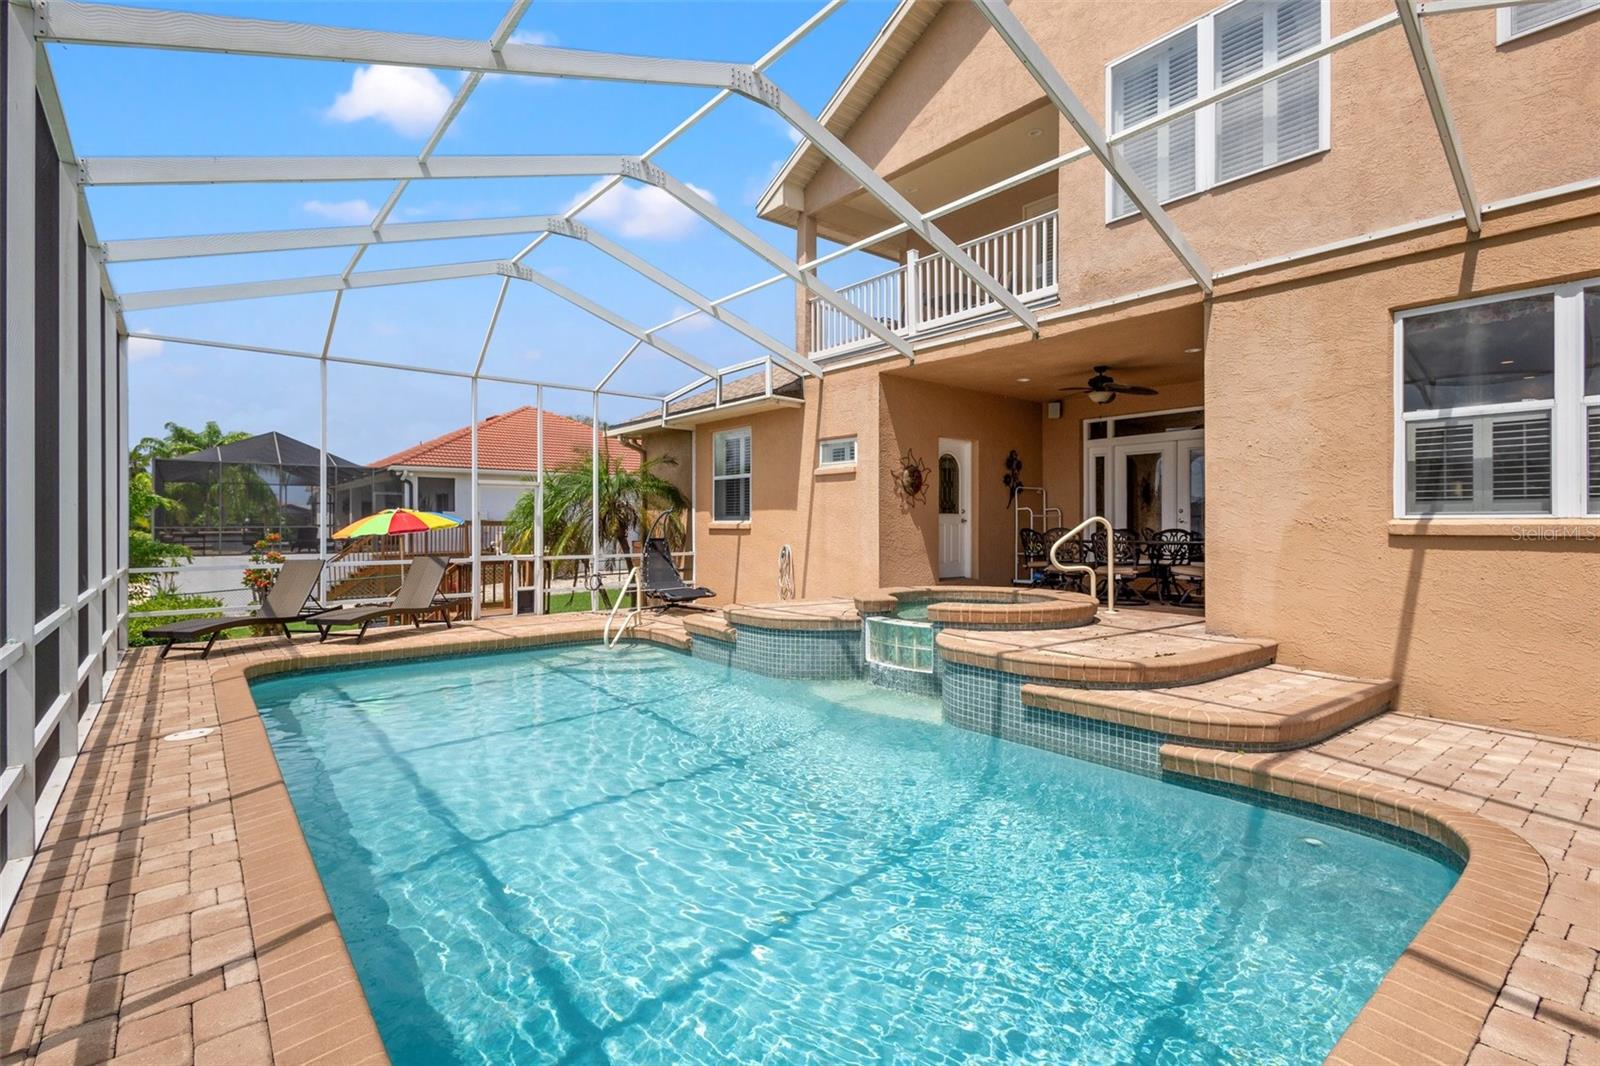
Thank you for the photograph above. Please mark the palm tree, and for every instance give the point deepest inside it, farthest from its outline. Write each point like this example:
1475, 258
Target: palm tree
181, 440
626, 499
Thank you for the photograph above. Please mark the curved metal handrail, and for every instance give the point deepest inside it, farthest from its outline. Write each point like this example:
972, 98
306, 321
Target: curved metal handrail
1075, 568
632, 581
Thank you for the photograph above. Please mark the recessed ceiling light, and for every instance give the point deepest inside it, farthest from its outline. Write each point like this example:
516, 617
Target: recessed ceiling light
1507, 362
1024, 380
1035, 132
1528, 377
1191, 351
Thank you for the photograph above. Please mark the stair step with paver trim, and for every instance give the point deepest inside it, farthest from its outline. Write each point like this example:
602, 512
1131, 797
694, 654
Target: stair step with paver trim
711, 626
1268, 708
1137, 650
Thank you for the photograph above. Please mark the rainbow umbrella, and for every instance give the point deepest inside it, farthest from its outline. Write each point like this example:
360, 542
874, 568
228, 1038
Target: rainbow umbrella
397, 520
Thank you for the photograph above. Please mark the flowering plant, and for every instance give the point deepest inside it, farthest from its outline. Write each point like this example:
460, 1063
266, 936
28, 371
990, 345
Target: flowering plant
258, 578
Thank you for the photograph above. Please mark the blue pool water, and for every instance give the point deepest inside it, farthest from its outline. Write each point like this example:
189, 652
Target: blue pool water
917, 610
572, 855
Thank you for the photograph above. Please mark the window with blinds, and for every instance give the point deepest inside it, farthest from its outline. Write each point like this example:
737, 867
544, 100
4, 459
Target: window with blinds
1529, 18
1143, 87
1493, 464
1499, 405
730, 476
840, 451
1594, 458
1272, 124
1278, 121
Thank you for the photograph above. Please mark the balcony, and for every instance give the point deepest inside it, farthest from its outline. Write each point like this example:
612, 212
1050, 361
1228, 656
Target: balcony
927, 294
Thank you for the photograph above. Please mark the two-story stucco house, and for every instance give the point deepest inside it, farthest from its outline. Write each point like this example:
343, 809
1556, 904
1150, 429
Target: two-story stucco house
1381, 410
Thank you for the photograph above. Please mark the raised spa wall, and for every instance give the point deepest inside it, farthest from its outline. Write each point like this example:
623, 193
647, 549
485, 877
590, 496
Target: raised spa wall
1050, 669
831, 640
828, 639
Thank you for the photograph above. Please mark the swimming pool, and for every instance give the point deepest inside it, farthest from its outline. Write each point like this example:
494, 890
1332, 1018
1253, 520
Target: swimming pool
573, 855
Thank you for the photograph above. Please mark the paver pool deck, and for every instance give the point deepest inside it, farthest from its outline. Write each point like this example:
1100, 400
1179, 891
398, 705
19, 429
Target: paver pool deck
173, 914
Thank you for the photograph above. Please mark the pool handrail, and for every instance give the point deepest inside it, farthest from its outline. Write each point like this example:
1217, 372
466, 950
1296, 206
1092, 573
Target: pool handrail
631, 581
1079, 568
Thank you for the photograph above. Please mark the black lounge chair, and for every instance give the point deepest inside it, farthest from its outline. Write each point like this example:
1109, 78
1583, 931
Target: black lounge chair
286, 602
663, 582
418, 596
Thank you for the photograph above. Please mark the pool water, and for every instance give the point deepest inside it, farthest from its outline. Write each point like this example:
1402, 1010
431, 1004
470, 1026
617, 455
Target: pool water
581, 856
917, 610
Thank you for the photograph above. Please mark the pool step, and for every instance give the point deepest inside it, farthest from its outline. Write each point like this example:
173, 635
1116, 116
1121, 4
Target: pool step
1146, 650
709, 626
1266, 708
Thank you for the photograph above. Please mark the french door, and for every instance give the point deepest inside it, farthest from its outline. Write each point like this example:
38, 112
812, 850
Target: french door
1149, 483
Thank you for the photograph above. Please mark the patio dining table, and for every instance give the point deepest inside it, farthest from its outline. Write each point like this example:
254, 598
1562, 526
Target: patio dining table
1160, 556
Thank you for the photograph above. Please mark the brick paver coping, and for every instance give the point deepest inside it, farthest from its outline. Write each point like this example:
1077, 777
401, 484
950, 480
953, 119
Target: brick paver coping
980, 606
1505, 972
1270, 707
174, 914
709, 625
1131, 649
839, 613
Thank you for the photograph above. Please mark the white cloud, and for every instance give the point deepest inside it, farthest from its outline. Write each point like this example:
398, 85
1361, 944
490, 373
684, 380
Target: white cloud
408, 99
538, 37
641, 211
142, 348
350, 212
694, 324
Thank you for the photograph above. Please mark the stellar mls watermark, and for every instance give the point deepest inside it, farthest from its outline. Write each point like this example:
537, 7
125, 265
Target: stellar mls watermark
1543, 532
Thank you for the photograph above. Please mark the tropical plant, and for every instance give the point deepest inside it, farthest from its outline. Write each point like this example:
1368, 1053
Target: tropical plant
168, 600
144, 549
627, 499
181, 440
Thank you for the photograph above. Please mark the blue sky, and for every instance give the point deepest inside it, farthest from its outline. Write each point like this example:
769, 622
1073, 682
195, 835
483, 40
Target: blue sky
137, 102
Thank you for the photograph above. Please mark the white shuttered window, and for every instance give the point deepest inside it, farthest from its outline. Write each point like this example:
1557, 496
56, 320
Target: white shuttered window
1154, 81
1499, 405
1278, 121
1530, 18
730, 476
1272, 124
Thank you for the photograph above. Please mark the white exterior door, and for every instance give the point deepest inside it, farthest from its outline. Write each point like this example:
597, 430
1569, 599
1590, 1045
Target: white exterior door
1149, 482
1144, 497
954, 482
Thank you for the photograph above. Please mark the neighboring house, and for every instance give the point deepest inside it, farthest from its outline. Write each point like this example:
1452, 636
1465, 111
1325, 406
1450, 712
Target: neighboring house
437, 474
1386, 427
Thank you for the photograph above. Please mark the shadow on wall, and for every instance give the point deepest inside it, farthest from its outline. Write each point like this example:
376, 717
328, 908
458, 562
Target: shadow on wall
915, 414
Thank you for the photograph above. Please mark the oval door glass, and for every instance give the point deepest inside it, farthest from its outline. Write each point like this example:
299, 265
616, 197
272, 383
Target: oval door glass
949, 485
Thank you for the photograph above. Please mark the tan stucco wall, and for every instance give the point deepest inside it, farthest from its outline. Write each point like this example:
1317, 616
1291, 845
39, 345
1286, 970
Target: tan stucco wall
829, 521
1519, 108
1299, 465
915, 414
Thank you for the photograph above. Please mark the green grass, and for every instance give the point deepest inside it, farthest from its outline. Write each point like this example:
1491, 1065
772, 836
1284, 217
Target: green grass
565, 602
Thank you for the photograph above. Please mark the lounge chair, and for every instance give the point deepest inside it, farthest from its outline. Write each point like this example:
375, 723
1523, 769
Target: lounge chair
663, 582
418, 596
286, 602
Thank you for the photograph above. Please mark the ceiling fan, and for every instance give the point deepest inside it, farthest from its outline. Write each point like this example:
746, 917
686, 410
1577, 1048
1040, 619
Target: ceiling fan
1102, 389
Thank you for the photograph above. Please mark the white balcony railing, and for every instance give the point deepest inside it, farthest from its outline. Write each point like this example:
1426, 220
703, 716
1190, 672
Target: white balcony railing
928, 292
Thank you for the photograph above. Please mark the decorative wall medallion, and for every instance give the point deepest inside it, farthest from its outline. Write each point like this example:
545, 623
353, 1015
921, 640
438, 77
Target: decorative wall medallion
910, 478
1013, 478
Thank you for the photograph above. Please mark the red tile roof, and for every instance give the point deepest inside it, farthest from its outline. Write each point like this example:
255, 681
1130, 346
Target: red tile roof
507, 442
